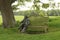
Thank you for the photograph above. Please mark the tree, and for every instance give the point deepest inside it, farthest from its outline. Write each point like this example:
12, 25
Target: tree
36, 7
45, 5
7, 13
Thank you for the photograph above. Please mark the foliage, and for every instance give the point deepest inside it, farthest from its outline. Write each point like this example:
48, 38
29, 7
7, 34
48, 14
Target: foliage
20, 2
31, 13
36, 5
43, 13
23, 13
45, 5
14, 7
53, 12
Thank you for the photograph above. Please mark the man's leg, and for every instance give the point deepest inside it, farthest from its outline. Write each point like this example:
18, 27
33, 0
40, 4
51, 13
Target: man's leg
21, 27
24, 29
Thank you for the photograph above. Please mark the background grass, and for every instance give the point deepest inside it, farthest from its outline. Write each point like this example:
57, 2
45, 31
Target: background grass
54, 21
14, 34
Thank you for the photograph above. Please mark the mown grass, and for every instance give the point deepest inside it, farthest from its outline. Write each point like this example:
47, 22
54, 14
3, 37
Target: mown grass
14, 34
54, 21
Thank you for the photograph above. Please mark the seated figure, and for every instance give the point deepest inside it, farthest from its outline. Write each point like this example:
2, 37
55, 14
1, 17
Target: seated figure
24, 24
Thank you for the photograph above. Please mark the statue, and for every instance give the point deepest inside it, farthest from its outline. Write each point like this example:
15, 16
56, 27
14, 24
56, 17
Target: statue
24, 24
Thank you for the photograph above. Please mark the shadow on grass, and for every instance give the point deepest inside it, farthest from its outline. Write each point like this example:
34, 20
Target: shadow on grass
35, 32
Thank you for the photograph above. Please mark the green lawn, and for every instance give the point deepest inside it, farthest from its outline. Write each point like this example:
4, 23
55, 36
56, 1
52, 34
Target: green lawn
14, 34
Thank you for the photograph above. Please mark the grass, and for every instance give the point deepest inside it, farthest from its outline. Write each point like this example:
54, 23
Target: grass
14, 34
0, 19
54, 21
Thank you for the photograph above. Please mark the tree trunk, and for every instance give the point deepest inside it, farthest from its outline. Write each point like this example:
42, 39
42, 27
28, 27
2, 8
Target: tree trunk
7, 14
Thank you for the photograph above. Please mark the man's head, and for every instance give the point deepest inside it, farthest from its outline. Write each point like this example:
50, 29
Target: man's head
26, 16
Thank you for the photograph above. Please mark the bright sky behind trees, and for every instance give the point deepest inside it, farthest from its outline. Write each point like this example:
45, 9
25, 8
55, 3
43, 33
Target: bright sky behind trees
28, 5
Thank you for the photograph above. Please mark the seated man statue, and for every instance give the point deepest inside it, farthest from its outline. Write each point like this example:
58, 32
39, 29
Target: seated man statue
24, 24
